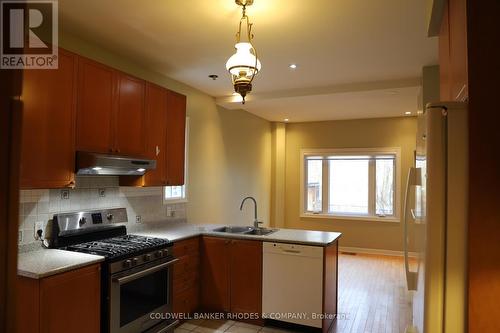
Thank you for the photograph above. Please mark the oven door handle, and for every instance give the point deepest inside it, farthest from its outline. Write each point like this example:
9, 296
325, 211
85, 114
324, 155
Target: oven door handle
145, 272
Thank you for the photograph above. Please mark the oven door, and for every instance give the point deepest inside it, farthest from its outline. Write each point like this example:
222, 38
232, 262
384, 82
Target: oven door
137, 293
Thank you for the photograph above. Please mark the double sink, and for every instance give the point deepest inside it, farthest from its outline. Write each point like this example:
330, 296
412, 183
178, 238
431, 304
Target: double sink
245, 230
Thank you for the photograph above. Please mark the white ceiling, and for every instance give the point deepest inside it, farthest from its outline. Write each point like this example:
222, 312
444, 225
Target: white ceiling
356, 58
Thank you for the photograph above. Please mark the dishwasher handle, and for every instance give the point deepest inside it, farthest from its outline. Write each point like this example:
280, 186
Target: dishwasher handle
292, 251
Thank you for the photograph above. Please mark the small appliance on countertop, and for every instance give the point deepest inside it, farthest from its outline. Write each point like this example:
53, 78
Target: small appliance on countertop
137, 274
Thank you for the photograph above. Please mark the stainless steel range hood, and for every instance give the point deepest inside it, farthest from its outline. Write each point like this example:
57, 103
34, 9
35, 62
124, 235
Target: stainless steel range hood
93, 164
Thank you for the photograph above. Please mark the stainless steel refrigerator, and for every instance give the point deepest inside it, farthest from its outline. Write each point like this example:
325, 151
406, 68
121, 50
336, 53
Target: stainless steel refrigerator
435, 220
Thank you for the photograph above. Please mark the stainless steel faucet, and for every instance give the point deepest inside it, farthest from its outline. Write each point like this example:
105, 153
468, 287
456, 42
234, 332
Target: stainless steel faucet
256, 221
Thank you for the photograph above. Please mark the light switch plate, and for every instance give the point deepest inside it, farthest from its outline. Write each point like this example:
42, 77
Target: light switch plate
138, 219
65, 194
40, 225
170, 212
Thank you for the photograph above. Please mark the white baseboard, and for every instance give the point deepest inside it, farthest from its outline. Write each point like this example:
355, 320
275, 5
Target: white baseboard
383, 252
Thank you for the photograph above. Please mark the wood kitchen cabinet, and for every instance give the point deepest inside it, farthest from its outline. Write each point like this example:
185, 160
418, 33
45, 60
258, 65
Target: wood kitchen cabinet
176, 138
246, 276
165, 138
453, 52
62, 303
96, 95
111, 112
215, 272
48, 126
231, 271
130, 117
186, 276
156, 141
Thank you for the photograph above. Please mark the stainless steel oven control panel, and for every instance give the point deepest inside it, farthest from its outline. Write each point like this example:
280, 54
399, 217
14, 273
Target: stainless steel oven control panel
131, 262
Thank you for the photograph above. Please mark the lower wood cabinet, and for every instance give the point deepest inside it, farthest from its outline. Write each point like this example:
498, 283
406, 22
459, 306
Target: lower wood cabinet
186, 276
62, 303
231, 271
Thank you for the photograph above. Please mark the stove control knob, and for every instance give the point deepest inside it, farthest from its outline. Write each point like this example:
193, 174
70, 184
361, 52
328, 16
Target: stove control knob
135, 261
82, 221
109, 216
147, 257
158, 254
127, 263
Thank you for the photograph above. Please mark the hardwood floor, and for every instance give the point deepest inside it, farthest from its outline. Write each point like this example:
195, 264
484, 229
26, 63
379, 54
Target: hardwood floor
372, 295
372, 299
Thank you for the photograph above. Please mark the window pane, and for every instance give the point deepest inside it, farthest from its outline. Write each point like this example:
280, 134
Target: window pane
348, 186
384, 181
314, 185
175, 192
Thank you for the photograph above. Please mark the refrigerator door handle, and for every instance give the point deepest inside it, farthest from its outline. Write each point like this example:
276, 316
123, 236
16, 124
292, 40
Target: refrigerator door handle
412, 180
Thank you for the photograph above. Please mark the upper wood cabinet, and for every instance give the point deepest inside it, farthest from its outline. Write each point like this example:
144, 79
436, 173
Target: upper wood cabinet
87, 106
54, 305
130, 117
453, 52
156, 137
96, 94
176, 137
165, 138
231, 271
48, 126
111, 110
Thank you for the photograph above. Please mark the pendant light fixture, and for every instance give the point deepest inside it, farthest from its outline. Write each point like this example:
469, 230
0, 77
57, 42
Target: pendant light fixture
244, 64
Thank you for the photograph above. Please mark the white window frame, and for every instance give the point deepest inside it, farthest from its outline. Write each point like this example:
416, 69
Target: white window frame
304, 153
166, 200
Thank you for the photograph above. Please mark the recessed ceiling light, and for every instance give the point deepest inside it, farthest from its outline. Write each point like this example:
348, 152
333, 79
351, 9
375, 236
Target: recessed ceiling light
286, 119
407, 113
293, 66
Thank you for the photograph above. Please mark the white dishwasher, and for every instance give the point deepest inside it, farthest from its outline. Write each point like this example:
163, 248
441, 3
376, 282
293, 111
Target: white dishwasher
292, 283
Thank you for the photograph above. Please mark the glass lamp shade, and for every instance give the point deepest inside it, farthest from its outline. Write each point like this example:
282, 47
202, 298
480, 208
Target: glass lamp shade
242, 63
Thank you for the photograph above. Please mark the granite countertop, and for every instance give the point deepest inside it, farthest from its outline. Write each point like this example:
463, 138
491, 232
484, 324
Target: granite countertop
42, 263
45, 262
176, 232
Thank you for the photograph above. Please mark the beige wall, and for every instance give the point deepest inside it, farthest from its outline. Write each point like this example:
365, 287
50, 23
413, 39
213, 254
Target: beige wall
387, 132
229, 150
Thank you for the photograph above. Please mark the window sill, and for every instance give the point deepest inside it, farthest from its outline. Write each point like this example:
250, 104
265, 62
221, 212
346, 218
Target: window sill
174, 201
350, 218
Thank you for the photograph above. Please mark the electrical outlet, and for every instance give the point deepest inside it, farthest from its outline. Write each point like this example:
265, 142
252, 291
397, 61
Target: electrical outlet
65, 194
138, 219
20, 237
170, 212
102, 192
39, 230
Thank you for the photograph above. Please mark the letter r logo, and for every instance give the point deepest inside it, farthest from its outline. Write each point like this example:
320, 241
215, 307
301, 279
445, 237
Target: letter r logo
29, 35
30, 27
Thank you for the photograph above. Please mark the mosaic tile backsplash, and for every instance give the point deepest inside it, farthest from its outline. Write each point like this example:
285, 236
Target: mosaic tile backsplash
95, 193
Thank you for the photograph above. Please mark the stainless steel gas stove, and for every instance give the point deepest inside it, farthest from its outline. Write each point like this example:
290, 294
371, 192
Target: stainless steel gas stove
137, 274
